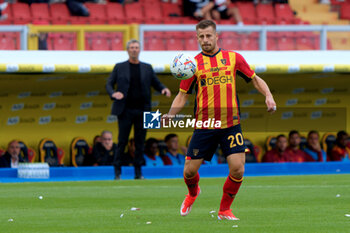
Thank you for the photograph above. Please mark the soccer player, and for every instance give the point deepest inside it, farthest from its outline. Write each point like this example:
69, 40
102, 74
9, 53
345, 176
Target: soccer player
214, 82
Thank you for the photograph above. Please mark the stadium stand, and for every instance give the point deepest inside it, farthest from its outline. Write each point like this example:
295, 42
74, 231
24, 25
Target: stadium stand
50, 153
79, 151
158, 12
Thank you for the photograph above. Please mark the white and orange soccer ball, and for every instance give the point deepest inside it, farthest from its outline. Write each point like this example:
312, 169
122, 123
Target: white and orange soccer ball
183, 66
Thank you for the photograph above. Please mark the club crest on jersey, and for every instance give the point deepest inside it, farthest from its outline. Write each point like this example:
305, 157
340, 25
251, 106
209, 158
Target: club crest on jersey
195, 152
223, 61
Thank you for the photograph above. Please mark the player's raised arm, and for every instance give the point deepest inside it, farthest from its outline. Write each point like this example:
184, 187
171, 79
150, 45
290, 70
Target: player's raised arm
262, 87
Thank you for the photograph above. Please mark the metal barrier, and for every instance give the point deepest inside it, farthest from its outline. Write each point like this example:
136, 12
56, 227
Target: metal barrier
127, 30
23, 33
263, 30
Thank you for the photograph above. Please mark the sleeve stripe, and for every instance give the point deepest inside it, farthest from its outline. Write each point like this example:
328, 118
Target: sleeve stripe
182, 90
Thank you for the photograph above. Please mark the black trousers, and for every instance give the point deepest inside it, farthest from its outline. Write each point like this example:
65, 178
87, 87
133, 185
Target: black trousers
129, 118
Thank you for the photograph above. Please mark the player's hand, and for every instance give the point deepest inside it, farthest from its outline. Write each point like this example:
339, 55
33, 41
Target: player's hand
166, 92
270, 103
118, 95
165, 119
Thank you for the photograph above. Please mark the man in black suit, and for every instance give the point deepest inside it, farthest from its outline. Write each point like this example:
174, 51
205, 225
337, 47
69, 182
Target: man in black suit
12, 156
132, 97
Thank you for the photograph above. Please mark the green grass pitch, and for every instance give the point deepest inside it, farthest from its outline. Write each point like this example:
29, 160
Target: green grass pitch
264, 204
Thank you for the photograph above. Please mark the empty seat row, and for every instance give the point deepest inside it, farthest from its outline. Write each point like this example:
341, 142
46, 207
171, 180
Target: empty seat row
233, 41
111, 13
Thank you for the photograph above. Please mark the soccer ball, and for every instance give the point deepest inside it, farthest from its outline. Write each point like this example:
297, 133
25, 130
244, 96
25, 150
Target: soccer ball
183, 66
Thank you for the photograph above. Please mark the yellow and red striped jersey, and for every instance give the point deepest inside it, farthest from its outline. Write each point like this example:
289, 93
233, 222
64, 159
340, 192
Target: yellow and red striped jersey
215, 84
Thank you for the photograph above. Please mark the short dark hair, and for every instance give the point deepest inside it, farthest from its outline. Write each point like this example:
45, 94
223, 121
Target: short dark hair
150, 142
341, 134
280, 136
312, 132
169, 136
293, 132
206, 23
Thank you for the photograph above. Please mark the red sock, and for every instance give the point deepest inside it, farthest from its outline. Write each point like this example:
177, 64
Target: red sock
231, 188
192, 184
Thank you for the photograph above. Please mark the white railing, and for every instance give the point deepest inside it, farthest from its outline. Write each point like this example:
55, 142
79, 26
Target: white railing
263, 30
23, 33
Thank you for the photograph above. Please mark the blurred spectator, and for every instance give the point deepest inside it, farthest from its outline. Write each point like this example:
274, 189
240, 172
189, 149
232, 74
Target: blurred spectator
220, 10
293, 151
12, 156
77, 8
123, 1
341, 151
172, 157
96, 139
199, 9
104, 152
2, 8
277, 154
129, 156
151, 151
313, 150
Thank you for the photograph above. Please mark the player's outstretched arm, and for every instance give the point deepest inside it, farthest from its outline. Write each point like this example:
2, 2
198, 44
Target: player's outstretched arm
262, 87
178, 103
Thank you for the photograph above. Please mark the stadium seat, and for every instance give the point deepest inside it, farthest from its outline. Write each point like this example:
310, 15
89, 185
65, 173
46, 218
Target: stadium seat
27, 153
249, 42
270, 142
134, 13
7, 41
79, 20
100, 44
171, 10
172, 20
229, 41
21, 13
306, 43
40, 12
154, 43
285, 43
188, 20
265, 14
97, 13
174, 41
62, 41
345, 11
284, 14
303, 142
59, 13
247, 12
272, 43
49, 153
115, 13
251, 155
328, 142
190, 41
79, 151
116, 40
153, 13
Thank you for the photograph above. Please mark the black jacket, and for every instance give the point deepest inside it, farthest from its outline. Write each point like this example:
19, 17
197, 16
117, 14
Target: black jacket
121, 78
5, 160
